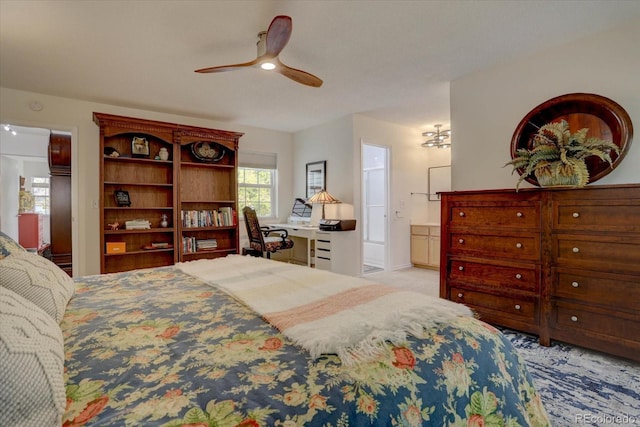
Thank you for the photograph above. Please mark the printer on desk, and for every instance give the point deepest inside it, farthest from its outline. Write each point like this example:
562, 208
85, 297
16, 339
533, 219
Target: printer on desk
337, 224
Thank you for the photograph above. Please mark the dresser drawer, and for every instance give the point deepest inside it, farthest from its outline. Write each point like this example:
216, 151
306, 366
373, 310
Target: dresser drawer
521, 277
616, 254
524, 246
577, 317
610, 290
323, 263
522, 215
323, 243
507, 306
612, 215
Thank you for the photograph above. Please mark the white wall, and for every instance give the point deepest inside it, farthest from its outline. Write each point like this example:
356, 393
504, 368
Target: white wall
339, 143
487, 106
409, 162
9, 195
76, 117
331, 142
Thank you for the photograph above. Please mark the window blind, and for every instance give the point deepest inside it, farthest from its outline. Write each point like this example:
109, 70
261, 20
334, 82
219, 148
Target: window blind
257, 160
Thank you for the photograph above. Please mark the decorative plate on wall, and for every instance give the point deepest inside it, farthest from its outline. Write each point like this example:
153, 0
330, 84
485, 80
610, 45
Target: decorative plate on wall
208, 151
605, 119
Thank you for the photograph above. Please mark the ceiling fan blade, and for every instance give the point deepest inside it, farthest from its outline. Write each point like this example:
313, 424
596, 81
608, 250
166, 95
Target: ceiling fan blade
231, 67
298, 75
278, 35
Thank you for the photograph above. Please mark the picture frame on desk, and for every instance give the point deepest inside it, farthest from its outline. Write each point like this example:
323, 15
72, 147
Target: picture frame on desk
316, 177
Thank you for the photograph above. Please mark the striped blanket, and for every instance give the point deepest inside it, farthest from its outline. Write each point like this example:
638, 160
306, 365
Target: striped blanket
324, 312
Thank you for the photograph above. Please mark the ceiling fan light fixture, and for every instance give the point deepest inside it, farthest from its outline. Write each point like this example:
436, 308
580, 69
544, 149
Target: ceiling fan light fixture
270, 44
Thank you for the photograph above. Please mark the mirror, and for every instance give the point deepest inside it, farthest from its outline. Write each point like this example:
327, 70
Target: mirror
603, 117
439, 181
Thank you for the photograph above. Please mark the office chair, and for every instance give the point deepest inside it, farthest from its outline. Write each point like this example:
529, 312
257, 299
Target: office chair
260, 239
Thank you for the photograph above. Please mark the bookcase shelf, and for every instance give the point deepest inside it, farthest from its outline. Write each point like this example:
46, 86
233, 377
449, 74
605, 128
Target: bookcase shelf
187, 180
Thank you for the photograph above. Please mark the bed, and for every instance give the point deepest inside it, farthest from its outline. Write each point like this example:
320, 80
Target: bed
163, 347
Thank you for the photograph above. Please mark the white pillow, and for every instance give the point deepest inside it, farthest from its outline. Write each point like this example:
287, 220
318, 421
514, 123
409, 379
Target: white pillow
38, 280
32, 391
9, 246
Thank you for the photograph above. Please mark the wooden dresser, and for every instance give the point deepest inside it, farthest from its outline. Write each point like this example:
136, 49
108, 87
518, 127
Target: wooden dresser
563, 264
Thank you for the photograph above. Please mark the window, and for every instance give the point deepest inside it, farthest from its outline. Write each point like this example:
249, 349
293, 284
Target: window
257, 185
40, 191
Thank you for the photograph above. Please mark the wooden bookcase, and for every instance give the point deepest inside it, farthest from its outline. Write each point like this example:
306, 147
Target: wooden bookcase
162, 187
211, 188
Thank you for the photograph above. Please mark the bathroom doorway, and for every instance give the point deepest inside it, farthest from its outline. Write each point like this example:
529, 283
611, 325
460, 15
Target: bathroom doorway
375, 189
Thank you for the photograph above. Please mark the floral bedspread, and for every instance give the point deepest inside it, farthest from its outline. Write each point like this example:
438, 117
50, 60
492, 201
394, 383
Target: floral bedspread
160, 348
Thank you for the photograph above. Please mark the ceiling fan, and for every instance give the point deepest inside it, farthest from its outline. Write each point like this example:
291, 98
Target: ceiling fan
270, 44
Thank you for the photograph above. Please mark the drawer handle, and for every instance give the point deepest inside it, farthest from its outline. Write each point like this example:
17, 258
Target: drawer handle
518, 245
461, 213
574, 318
519, 215
461, 241
461, 268
518, 276
517, 307
576, 215
575, 284
460, 295
576, 250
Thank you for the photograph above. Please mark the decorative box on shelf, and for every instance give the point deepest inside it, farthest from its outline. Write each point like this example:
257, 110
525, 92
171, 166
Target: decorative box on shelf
116, 247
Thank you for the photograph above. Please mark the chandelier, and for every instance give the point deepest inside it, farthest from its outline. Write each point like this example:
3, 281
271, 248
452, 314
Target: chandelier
438, 138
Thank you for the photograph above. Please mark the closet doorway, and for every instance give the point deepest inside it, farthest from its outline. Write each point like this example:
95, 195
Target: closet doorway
375, 190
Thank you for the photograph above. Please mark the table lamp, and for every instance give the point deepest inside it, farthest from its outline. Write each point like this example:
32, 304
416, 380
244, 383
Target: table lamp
323, 198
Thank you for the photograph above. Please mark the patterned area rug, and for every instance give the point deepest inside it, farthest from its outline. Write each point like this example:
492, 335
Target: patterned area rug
579, 386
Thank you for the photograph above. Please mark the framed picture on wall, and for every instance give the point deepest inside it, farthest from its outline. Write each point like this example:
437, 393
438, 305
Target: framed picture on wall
316, 177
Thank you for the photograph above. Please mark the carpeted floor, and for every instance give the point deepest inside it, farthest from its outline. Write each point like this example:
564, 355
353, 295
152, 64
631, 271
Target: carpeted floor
577, 386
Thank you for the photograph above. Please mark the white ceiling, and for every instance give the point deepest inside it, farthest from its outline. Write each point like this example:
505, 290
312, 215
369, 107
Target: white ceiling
390, 60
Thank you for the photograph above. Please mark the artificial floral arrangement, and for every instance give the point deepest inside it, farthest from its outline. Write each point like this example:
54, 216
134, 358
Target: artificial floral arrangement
557, 156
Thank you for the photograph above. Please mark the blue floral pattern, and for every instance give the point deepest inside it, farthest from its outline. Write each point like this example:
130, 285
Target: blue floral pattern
160, 348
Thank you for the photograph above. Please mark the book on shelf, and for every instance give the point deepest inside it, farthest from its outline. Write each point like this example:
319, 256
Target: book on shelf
205, 244
222, 217
192, 245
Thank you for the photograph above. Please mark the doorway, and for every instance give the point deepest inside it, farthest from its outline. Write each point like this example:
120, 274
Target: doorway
35, 190
375, 189
23, 159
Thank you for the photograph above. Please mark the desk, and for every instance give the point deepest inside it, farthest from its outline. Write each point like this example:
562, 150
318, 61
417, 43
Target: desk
303, 232
326, 250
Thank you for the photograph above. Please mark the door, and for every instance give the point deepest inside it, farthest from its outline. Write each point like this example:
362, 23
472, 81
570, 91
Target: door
375, 184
